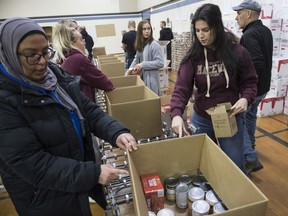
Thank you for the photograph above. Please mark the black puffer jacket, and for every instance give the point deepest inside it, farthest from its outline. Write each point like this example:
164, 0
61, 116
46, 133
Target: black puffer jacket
41, 164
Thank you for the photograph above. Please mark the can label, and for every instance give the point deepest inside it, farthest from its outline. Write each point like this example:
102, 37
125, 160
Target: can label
182, 195
170, 187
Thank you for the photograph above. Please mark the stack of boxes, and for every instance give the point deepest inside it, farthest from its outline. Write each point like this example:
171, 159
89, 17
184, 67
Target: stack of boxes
180, 45
136, 106
111, 65
276, 100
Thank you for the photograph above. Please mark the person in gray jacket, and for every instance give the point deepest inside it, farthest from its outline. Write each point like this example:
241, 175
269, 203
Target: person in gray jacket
149, 57
47, 161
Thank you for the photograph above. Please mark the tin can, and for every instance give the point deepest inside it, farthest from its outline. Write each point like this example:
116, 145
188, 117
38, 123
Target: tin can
166, 212
211, 199
170, 188
194, 194
218, 208
198, 179
182, 195
205, 186
200, 207
151, 213
186, 179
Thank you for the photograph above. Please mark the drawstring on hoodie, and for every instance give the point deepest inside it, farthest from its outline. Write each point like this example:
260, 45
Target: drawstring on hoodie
208, 77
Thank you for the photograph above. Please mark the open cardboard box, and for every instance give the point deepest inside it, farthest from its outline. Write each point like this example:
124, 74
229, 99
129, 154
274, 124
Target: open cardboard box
114, 69
188, 155
127, 81
138, 108
105, 56
98, 51
223, 124
108, 61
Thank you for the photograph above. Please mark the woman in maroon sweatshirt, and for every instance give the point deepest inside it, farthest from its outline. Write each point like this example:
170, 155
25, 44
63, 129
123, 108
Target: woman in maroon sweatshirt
222, 71
70, 48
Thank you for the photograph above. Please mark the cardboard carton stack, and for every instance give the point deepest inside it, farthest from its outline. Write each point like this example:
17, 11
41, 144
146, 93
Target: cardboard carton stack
180, 45
98, 51
136, 106
164, 78
111, 65
276, 99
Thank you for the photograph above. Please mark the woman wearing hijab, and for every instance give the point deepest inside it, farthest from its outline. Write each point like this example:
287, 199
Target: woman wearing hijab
47, 162
222, 71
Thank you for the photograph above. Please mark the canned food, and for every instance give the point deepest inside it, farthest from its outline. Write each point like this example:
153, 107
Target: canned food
186, 179
198, 179
218, 208
151, 213
206, 186
170, 187
200, 207
166, 212
211, 198
182, 195
194, 194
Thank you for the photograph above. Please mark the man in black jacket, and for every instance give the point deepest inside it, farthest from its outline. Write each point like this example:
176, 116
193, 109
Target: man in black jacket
258, 40
128, 42
166, 34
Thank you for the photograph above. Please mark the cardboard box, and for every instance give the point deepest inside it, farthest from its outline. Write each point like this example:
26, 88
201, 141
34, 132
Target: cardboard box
138, 108
113, 69
127, 81
270, 106
188, 155
153, 191
278, 88
223, 125
285, 110
105, 56
108, 61
279, 68
98, 51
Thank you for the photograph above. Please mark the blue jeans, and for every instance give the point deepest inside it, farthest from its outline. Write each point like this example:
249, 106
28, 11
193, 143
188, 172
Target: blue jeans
232, 146
249, 137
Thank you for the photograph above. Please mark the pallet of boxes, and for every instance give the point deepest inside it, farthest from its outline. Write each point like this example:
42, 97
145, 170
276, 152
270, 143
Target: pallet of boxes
193, 176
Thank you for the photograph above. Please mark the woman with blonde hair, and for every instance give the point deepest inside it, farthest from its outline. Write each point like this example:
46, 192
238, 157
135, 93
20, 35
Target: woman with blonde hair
71, 53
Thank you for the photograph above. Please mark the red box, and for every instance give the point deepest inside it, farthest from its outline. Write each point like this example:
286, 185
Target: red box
153, 191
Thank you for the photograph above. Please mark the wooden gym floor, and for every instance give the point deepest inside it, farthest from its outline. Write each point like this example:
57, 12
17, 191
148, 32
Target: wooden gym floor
272, 148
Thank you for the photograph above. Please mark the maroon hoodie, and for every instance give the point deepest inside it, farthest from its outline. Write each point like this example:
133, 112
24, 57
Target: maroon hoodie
221, 88
78, 64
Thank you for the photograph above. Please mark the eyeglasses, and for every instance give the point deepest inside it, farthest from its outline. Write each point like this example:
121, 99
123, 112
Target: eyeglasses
34, 58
